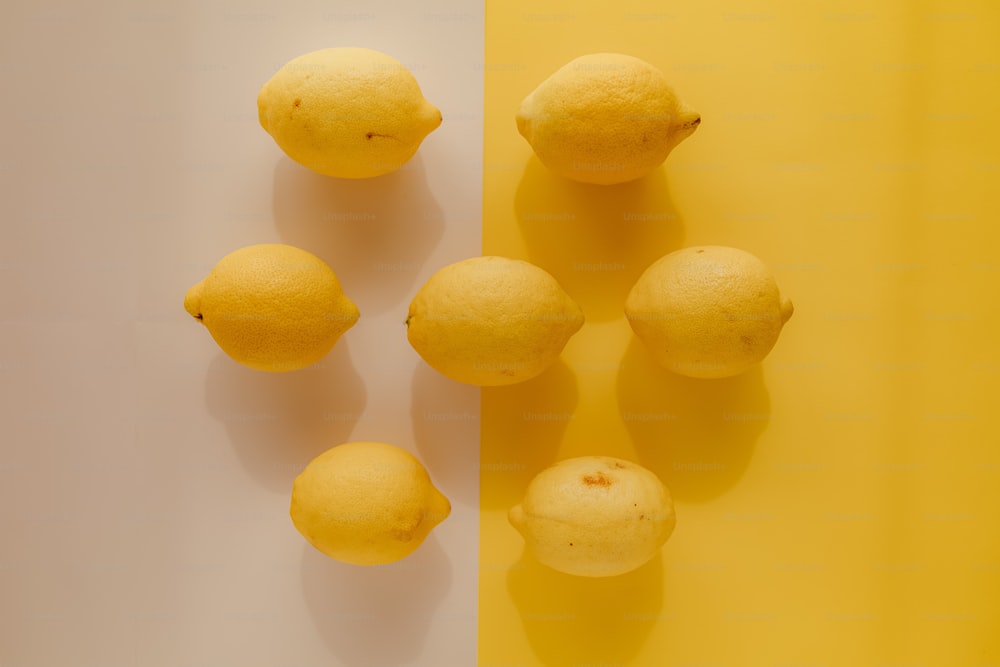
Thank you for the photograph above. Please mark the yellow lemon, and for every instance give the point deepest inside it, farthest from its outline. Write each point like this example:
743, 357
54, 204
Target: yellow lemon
605, 118
366, 503
491, 320
595, 516
272, 307
346, 112
707, 311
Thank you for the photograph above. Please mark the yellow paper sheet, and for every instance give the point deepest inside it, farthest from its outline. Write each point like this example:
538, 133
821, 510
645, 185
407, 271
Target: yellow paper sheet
840, 504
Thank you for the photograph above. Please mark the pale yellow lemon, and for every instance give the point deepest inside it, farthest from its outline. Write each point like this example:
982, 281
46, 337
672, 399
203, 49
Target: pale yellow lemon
595, 516
605, 118
707, 311
491, 320
366, 503
272, 307
346, 112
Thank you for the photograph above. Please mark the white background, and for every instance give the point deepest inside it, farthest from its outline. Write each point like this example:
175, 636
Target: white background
144, 476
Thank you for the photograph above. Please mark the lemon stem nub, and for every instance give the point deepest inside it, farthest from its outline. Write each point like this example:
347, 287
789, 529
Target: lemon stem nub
786, 310
192, 301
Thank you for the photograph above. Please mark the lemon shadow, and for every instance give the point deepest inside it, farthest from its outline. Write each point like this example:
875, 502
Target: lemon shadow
278, 422
697, 435
596, 239
380, 614
375, 233
572, 620
522, 429
445, 418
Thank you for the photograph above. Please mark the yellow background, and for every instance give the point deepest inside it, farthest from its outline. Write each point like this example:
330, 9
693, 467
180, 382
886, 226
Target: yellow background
839, 505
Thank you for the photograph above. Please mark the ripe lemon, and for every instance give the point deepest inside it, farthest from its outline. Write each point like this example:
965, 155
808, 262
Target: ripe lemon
707, 311
605, 118
366, 503
595, 516
346, 112
491, 320
272, 307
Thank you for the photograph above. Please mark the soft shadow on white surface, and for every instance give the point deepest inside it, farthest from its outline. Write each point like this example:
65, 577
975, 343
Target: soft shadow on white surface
376, 615
375, 233
278, 422
446, 431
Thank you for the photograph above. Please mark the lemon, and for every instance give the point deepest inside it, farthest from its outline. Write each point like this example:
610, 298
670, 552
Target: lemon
366, 503
605, 118
491, 320
272, 307
707, 311
346, 112
595, 516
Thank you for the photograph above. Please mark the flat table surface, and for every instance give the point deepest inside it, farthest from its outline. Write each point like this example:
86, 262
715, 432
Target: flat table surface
837, 505
145, 477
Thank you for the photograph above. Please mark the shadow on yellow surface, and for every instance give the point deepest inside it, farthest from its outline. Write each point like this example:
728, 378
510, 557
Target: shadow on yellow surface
586, 620
596, 239
522, 426
376, 615
278, 422
375, 233
697, 435
445, 418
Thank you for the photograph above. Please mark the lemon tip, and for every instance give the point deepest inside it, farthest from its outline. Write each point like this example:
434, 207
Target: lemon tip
515, 515
192, 301
523, 125
787, 310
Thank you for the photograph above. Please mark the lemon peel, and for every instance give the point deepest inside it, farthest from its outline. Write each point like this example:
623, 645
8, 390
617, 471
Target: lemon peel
605, 118
346, 112
491, 320
272, 307
366, 503
595, 516
707, 311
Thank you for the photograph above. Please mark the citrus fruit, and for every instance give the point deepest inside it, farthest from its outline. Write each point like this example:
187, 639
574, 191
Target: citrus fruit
707, 311
346, 112
272, 307
605, 118
594, 516
491, 320
366, 503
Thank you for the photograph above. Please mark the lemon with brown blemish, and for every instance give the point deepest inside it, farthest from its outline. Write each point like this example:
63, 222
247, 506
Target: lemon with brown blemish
595, 516
346, 112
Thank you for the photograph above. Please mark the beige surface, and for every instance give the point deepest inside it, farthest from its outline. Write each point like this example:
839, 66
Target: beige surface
144, 477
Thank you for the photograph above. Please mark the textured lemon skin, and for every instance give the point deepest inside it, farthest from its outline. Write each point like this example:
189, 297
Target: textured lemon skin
595, 516
707, 311
605, 118
366, 503
272, 307
346, 112
491, 321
